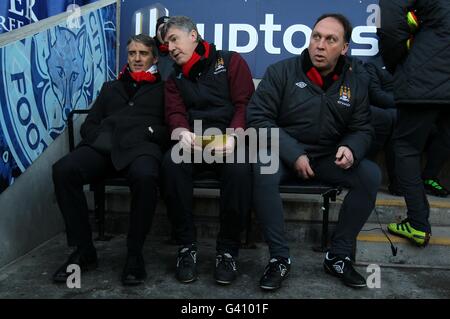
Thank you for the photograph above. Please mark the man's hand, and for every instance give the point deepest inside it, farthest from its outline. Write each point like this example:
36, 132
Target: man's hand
344, 157
303, 168
187, 141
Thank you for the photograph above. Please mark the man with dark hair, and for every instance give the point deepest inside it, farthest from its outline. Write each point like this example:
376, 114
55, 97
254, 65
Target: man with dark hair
123, 134
214, 87
415, 46
321, 109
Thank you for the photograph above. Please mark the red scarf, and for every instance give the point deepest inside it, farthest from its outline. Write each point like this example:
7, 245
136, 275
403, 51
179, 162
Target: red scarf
140, 76
315, 77
163, 48
186, 68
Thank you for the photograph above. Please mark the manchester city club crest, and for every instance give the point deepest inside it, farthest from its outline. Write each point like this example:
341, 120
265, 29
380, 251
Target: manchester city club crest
43, 78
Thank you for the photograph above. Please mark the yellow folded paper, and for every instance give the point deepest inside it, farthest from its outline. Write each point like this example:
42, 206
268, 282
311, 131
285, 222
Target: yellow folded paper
211, 140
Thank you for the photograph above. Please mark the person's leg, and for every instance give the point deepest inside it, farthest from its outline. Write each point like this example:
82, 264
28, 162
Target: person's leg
142, 176
362, 181
70, 173
269, 212
410, 135
383, 122
269, 208
235, 204
82, 166
177, 190
437, 154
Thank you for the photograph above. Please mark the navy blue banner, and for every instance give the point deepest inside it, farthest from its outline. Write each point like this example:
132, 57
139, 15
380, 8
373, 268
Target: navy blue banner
263, 31
17, 13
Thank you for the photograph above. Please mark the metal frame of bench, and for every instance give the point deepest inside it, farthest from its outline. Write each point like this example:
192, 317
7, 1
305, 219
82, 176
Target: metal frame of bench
327, 192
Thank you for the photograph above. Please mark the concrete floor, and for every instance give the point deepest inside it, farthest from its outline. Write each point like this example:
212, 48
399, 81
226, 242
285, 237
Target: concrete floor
29, 277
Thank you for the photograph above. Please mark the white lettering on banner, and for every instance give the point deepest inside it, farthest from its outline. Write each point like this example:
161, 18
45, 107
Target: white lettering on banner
25, 12
252, 41
287, 37
361, 35
269, 29
218, 32
357, 38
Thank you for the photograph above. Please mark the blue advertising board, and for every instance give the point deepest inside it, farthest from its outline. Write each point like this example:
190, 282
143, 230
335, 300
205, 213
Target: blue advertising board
263, 31
17, 13
43, 77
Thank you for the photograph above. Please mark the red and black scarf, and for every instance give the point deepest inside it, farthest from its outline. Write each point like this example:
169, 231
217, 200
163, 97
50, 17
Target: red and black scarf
138, 77
132, 81
314, 75
199, 59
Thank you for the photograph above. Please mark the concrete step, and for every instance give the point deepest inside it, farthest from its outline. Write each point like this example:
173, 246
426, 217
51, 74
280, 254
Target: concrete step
374, 247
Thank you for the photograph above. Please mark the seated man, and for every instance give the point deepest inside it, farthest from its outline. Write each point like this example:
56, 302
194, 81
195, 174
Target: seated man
123, 134
212, 87
322, 113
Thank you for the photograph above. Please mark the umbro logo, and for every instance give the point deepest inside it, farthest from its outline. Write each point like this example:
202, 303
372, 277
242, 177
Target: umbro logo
301, 84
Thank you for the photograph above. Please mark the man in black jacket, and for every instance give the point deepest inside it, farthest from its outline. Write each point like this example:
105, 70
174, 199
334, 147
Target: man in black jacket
321, 109
123, 134
416, 47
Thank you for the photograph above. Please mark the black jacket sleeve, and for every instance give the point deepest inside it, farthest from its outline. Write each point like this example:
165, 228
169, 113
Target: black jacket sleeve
262, 112
90, 128
379, 96
394, 31
360, 131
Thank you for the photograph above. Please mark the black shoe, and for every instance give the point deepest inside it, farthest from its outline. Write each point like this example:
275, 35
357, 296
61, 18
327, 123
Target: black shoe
187, 264
85, 258
435, 188
343, 269
275, 272
226, 270
134, 271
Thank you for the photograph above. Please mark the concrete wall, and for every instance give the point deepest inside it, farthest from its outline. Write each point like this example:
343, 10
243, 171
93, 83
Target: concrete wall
28, 211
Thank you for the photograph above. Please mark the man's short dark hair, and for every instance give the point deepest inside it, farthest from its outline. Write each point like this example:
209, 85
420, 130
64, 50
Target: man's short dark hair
342, 20
182, 23
145, 40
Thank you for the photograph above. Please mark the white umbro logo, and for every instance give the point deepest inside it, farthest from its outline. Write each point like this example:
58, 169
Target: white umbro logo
301, 85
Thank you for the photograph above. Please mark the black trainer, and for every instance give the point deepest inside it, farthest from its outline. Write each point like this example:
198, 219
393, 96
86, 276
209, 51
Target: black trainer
226, 269
85, 258
343, 269
434, 187
134, 271
275, 272
186, 264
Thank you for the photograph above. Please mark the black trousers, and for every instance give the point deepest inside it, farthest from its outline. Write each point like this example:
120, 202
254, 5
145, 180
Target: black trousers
383, 122
410, 135
362, 181
235, 200
85, 165
437, 154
